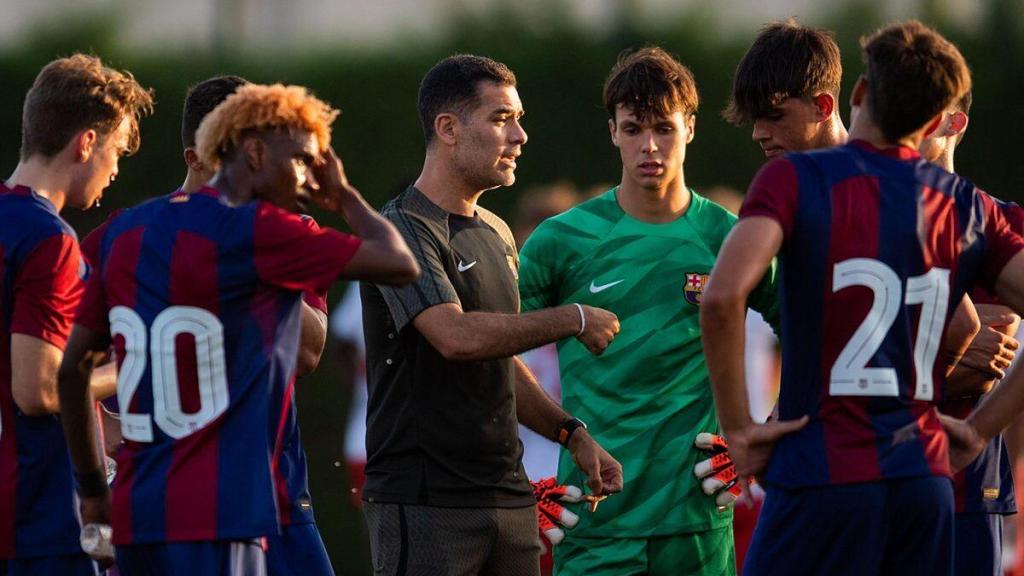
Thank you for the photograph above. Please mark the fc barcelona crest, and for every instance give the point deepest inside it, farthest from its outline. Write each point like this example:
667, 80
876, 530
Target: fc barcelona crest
693, 288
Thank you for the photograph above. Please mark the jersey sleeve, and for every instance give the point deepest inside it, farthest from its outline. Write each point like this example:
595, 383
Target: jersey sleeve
1002, 240
292, 255
47, 290
538, 271
773, 194
433, 286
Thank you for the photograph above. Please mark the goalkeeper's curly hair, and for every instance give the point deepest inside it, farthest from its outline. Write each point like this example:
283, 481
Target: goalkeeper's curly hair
261, 107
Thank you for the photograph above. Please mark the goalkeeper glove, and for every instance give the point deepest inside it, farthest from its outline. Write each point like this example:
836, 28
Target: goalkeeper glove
717, 473
551, 515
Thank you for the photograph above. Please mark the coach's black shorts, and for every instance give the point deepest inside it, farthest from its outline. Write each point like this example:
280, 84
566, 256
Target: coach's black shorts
408, 540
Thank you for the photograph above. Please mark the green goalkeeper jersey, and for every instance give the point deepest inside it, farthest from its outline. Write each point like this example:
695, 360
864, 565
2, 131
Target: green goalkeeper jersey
648, 395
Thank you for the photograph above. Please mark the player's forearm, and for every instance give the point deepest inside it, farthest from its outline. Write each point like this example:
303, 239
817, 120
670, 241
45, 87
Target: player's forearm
77, 415
365, 222
534, 408
486, 335
722, 332
103, 381
965, 381
1000, 407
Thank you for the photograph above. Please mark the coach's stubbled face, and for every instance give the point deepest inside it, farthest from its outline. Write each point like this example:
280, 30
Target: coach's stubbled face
100, 167
792, 126
285, 176
490, 137
652, 149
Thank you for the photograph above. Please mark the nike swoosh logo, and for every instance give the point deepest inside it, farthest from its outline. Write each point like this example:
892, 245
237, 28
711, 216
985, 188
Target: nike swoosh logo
594, 289
464, 267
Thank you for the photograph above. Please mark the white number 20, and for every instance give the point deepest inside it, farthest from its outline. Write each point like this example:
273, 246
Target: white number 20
851, 375
210, 364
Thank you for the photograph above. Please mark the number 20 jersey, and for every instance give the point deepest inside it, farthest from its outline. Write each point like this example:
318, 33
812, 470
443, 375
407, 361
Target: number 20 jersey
202, 302
879, 248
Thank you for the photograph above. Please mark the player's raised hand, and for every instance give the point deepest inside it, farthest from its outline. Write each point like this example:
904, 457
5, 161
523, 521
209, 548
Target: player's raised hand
717, 473
751, 448
964, 442
604, 473
551, 515
329, 183
600, 328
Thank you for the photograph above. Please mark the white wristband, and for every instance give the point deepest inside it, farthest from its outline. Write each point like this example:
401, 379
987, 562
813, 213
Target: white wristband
583, 320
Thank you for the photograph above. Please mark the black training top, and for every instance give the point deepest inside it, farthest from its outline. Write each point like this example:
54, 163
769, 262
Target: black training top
440, 432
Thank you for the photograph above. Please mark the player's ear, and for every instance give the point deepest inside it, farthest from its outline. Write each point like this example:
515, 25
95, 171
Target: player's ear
824, 106
691, 123
84, 143
446, 128
611, 130
958, 123
192, 159
254, 151
860, 89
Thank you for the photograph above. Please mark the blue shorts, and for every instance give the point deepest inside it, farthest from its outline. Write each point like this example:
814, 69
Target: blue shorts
297, 551
901, 527
979, 544
69, 565
218, 558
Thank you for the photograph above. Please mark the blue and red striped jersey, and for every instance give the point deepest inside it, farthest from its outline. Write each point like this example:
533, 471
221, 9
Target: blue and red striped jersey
986, 484
40, 286
879, 247
202, 302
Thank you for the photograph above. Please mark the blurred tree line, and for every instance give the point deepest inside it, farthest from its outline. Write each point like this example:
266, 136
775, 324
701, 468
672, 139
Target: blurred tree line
560, 69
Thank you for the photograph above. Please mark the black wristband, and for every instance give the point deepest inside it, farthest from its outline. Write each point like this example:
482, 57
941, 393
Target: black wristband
567, 428
92, 484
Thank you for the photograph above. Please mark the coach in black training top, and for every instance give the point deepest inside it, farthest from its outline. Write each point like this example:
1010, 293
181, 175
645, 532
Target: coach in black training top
445, 488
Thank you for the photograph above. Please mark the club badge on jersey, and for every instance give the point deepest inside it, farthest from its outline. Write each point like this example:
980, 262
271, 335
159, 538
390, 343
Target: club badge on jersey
693, 288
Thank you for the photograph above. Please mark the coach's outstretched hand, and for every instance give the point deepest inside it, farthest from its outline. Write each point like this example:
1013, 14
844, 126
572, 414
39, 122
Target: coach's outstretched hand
604, 473
751, 448
600, 328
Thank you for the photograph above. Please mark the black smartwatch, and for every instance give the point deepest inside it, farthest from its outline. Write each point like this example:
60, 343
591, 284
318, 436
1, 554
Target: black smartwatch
567, 428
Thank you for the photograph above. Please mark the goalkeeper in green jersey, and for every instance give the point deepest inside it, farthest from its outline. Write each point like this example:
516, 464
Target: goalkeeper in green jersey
643, 250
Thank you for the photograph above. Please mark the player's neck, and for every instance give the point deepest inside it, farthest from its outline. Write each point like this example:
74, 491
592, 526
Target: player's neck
43, 179
445, 188
864, 128
233, 186
835, 133
656, 206
194, 181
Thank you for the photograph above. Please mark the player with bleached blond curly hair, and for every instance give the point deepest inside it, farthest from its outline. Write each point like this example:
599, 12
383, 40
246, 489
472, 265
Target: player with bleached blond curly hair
201, 295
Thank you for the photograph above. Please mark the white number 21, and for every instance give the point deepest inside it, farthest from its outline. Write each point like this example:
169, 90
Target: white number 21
851, 375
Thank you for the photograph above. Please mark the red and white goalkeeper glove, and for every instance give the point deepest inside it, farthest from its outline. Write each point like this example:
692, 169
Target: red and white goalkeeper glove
551, 515
718, 473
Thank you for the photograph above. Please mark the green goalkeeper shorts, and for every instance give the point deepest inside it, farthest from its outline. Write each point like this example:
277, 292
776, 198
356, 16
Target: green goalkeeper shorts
708, 553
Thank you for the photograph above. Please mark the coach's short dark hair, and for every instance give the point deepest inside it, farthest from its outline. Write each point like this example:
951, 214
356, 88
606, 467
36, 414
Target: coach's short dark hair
201, 100
786, 60
79, 93
650, 81
452, 85
913, 73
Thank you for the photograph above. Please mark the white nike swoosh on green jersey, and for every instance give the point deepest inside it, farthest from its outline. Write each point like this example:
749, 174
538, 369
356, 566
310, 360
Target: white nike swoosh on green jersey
594, 289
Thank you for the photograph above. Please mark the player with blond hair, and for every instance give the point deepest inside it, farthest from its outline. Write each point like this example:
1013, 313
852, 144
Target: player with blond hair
201, 296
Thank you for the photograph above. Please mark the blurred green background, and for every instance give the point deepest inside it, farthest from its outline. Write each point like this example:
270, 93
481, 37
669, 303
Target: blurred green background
561, 67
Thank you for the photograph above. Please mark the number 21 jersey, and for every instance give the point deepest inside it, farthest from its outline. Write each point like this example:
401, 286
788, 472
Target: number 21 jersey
879, 248
202, 302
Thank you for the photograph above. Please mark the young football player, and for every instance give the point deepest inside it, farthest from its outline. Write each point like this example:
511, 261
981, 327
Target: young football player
80, 117
643, 250
870, 264
201, 296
